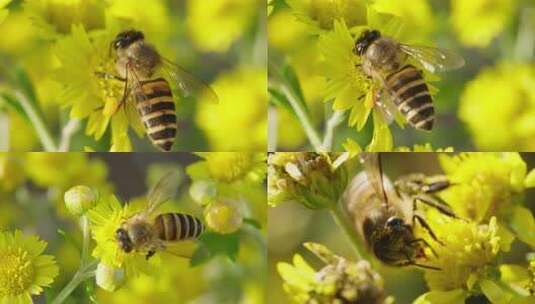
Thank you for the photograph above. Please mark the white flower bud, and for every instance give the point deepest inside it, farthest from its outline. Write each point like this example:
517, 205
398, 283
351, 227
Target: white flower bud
203, 191
109, 278
79, 199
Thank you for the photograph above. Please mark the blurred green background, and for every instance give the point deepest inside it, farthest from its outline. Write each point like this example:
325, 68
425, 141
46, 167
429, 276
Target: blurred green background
292, 224
489, 104
31, 200
222, 42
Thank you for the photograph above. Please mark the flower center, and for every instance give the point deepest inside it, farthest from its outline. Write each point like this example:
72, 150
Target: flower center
229, 167
16, 273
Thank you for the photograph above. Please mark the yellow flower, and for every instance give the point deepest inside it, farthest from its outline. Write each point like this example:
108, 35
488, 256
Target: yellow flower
105, 219
509, 88
468, 252
484, 184
215, 25
25, 271
349, 87
229, 167
418, 19
339, 281
52, 17
239, 121
81, 55
320, 14
64, 170
477, 22
317, 180
427, 147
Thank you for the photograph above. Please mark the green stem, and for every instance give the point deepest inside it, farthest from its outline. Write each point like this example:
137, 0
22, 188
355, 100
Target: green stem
347, 227
86, 269
37, 122
311, 133
334, 121
81, 275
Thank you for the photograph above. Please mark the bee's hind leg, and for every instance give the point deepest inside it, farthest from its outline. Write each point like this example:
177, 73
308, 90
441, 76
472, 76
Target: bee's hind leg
435, 202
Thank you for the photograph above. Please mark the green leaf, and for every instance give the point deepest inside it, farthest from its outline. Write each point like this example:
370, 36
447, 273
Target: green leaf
212, 244
529, 182
523, 224
280, 100
13, 104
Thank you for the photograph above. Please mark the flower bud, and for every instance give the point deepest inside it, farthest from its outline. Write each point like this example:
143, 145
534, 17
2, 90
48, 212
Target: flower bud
223, 216
203, 191
109, 278
317, 180
79, 199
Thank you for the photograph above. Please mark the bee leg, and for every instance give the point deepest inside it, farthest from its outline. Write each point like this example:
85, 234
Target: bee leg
415, 241
150, 254
424, 224
109, 76
410, 262
361, 97
434, 202
437, 186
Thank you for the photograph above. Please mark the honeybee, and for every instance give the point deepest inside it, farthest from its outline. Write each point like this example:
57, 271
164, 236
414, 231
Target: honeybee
149, 78
384, 214
402, 86
142, 233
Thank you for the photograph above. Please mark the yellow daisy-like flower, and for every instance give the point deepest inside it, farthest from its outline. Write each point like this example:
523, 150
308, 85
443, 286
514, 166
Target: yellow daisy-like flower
64, 170
81, 54
340, 281
215, 25
477, 22
508, 87
229, 167
321, 14
49, 16
105, 219
25, 271
349, 87
484, 184
241, 111
468, 250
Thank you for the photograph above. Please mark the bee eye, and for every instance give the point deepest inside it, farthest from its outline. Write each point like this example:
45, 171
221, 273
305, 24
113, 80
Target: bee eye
394, 222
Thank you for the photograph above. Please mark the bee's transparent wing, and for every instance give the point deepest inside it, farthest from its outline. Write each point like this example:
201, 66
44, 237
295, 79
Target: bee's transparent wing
164, 190
386, 106
434, 59
188, 84
374, 171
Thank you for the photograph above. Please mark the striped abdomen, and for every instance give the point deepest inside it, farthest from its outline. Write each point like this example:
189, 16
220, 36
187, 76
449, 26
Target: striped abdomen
177, 227
411, 96
154, 103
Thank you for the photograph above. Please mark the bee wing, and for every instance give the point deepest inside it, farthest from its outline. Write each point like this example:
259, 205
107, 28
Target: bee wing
187, 83
386, 106
434, 59
374, 171
164, 190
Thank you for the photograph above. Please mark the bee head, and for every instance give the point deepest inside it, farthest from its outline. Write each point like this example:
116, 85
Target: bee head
363, 42
124, 240
395, 224
126, 38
